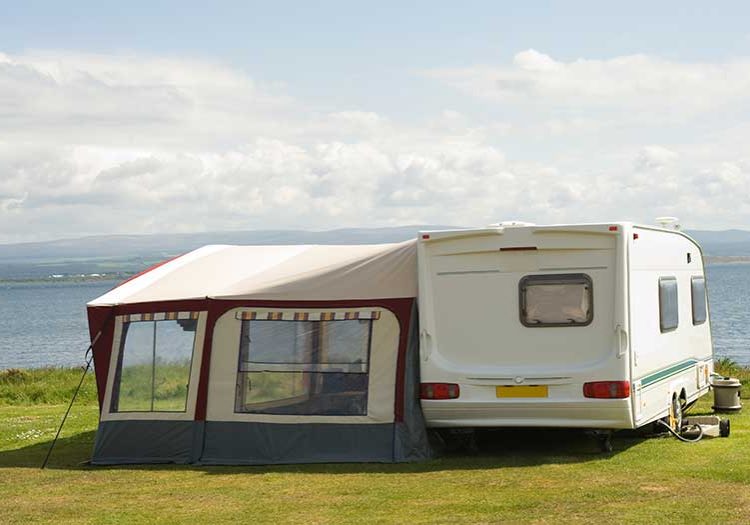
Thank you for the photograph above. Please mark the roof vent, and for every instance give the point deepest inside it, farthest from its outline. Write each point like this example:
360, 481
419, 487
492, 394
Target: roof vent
669, 223
511, 224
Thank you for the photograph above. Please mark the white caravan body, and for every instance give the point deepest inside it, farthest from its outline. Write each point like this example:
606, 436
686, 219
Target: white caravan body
522, 317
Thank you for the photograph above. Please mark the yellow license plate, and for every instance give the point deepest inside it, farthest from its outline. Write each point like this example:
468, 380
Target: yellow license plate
521, 391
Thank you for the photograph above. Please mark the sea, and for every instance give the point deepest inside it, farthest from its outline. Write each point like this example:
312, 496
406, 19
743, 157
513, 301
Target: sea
44, 323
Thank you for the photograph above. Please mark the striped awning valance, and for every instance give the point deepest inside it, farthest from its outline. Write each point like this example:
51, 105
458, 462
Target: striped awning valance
249, 315
159, 316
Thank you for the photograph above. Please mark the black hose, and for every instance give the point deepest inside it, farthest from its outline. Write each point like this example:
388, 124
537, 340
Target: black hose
678, 436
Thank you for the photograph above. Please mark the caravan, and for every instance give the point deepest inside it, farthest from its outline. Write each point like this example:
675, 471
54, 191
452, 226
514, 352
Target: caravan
599, 326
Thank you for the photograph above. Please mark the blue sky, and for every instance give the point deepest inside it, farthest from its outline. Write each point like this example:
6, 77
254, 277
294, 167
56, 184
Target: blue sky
329, 49
432, 112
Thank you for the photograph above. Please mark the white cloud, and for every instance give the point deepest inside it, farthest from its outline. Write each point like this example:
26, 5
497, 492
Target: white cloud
654, 158
98, 99
620, 83
100, 144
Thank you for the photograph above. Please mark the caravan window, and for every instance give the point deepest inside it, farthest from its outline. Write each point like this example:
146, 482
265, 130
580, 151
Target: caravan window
304, 367
556, 300
153, 369
669, 317
698, 294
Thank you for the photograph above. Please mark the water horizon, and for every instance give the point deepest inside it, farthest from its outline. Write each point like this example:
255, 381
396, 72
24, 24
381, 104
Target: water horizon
44, 322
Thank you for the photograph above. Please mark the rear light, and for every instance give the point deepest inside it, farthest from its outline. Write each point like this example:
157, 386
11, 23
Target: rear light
439, 391
607, 389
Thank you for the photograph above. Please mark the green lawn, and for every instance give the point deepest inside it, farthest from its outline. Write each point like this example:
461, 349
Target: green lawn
516, 477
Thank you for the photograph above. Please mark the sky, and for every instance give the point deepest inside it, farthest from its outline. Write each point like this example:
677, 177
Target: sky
146, 117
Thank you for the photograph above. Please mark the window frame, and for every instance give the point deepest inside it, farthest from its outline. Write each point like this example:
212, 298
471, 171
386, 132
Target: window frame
662, 328
554, 278
114, 401
262, 408
694, 279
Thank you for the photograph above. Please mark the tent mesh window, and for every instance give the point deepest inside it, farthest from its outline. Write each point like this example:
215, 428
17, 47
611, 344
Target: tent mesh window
556, 300
304, 367
153, 369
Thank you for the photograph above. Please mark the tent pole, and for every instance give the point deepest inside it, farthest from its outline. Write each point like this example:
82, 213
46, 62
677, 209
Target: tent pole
153, 368
80, 383
72, 400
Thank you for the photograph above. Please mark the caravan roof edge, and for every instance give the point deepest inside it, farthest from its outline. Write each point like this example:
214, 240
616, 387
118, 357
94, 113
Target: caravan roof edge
600, 228
666, 230
439, 235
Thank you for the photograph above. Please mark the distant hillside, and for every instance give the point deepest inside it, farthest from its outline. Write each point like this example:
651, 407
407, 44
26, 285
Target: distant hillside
125, 254
120, 255
723, 243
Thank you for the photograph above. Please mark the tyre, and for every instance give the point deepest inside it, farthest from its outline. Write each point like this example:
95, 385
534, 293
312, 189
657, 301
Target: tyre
724, 428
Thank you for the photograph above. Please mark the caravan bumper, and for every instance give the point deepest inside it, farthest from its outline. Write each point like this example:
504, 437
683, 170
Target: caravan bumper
598, 413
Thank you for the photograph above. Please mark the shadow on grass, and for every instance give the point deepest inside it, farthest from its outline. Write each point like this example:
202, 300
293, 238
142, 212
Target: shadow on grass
491, 449
69, 453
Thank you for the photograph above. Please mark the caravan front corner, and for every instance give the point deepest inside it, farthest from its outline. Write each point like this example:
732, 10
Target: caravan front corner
597, 326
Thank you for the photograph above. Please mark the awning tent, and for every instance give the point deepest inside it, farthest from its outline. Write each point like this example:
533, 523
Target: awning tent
259, 355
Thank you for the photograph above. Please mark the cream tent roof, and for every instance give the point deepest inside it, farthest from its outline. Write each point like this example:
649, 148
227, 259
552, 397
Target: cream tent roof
307, 272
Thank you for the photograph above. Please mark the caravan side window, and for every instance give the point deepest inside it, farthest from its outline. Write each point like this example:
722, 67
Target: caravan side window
669, 317
556, 300
698, 295
304, 367
154, 364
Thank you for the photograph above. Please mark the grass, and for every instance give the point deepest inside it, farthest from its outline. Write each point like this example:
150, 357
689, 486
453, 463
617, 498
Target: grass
727, 367
44, 386
515, 477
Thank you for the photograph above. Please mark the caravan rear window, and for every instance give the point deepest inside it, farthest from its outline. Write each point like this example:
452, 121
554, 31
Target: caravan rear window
154, 364
304, 367
556, 300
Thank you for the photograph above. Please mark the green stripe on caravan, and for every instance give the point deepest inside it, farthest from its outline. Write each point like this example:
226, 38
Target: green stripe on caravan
668, 372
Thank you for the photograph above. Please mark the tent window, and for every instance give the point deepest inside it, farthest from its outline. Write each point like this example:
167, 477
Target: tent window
304, 367
556, 300
154, 364
698, 293
669, 316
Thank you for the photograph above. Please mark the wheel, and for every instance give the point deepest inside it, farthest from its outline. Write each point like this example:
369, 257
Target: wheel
675, 414
724, 428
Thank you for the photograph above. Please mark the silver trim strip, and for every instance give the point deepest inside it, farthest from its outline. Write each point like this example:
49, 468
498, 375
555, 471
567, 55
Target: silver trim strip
468, 272
574, 268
